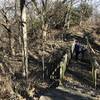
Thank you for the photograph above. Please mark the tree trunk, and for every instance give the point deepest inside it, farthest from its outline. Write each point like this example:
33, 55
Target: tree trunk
24, 39
81, 18
25, 54
45, 27
68, 22
68, 15
11, 44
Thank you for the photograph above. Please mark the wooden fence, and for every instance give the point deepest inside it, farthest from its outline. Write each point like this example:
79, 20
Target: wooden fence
94, 63
65, 60
62, 66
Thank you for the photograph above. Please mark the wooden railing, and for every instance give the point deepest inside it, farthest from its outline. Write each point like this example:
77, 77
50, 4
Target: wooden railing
66, 60
62, 66
94, 63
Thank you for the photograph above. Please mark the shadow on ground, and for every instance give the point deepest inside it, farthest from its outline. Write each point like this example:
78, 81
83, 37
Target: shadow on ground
57, 94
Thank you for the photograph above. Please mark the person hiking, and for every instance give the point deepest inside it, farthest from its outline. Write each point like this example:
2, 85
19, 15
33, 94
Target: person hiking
83, 50
77, 50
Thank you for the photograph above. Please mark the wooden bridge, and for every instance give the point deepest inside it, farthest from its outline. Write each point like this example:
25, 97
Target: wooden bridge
58, 72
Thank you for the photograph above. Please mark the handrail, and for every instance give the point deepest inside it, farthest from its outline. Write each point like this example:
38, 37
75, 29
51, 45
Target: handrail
90, 46
92, 51
95, 65
64, 62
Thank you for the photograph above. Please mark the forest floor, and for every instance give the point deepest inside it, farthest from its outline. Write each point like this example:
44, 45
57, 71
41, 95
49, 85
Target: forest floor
76, 86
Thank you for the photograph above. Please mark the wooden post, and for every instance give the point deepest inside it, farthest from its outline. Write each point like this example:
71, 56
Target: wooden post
63, 65
95, 74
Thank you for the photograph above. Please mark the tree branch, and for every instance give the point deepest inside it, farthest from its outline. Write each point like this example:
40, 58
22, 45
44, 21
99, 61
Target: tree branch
35, 4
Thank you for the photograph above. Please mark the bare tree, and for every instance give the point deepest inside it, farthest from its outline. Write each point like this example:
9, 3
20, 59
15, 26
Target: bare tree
24, 40
42, 12
68, 15
7, 23
67, 18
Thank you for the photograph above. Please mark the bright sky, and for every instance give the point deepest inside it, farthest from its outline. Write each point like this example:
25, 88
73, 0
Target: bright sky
94, 2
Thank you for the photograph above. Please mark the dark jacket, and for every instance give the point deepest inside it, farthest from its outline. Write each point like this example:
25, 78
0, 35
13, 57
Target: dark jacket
77, 47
